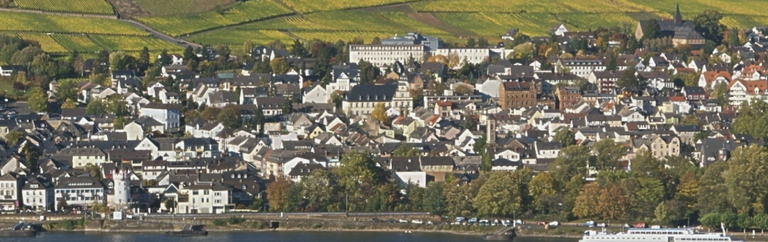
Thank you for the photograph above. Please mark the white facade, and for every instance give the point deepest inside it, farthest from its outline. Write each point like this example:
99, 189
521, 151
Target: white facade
418, 178
38, 196
316, 94
204, 199
171, 118
80, 191
382, 55
472, 55
121, 190
9, 192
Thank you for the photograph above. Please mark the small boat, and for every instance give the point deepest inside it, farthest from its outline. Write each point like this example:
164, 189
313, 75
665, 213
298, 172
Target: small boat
19, 230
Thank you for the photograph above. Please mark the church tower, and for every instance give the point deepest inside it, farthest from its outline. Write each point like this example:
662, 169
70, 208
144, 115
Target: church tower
678, 16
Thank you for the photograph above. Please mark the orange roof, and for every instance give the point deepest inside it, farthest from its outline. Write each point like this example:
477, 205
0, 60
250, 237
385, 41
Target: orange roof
677, 99
444, 103
710, 76
760, 85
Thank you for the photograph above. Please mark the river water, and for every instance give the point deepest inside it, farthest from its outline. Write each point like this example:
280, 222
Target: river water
267, 237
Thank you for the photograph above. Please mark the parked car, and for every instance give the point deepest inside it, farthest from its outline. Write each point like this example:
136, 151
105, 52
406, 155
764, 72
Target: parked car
430, 222
417, 221
640, 225
656, 226
542, 223
518, 221
589, 223
484, 221
391, 221
403, 221
375, 220
554, 224
459, 220
472, 220
601, 225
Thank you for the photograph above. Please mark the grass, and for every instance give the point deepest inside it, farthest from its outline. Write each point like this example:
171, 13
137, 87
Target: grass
238, 37
308, 6
180, 7
68, 6
129, 44
66, 24
47, 42
238, 13
77, 43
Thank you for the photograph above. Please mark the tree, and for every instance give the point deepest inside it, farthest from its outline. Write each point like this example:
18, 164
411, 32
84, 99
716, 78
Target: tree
163, 59
298, 50
143, 60
608, 153
752, 119
712, 196
685, 80
486, 161
170, 204
96, 107
287, 106
358, 175
499, 196
117, 106
279, 66
628, 79
733, 38
651, 30
470, 122
721, 93
570, 162
258, 120
277, 193
434, 200
645, 163
471, 43
541, 186
746, 179
405, 150
612, 66
586, 202
482, 43
61, 204
479, 146
368, 72
320, 191
463, 89
31, 156
229, 116
67, 89
38, 100
119, 61
566, 137
380, 113
612, 203
687, 189
708, 24
13, 137
523, 51
69, 103
209, 113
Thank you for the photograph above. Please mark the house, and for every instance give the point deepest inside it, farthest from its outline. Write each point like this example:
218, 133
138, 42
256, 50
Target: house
315, 94
681, 32
579, 67
38, 194
80, 191
694, 93
9, 70
204, 198
567, 97
167, 114
363, 98
740, 91
604, 80
511, 34
502, 164
10, 189
517, 94
558, 30
710, 79
271, 106
175, 59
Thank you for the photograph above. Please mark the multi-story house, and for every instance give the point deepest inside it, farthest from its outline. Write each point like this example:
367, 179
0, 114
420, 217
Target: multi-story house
517, 94
206, 198
363, 98
10, 189
567, 97
740, 91
604, 80
382, 55
167, 114
579, 67
79, 191
37, 194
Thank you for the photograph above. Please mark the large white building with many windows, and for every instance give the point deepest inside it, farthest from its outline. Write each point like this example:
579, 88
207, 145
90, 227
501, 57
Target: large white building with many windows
382, 55
79, 191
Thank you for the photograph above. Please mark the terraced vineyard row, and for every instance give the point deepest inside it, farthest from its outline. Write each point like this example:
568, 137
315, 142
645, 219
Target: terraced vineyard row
43, 23
68, 6
47, 43
241, 12
309, 6
180, 7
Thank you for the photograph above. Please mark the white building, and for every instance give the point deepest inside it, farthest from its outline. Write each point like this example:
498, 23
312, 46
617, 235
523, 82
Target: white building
120, 196
205, 198
167, 114
79, 191
472, 55
38, 194
315, 94
382, 55
9, 190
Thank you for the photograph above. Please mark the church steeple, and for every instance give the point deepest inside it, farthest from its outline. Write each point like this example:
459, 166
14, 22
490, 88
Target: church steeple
678, 16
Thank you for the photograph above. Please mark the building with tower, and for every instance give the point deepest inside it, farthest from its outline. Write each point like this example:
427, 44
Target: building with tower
119, 195
681, 31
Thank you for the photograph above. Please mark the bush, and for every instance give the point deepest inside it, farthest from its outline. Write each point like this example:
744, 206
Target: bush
235, 220
317, 226
219, 222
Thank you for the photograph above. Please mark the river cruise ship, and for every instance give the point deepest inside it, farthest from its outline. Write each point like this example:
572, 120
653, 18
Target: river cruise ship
661, 235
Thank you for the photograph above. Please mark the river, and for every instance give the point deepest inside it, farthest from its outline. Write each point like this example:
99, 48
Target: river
266, 237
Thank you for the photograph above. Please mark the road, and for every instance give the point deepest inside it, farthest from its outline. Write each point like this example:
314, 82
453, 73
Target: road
162, 36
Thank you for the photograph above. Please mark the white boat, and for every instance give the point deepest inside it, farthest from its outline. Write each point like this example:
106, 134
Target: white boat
661, 235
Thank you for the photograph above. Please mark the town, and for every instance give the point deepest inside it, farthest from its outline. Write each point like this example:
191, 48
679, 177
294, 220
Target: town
660, 121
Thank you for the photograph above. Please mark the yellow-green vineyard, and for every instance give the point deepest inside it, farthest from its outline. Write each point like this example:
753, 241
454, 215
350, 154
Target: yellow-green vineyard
233, 22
